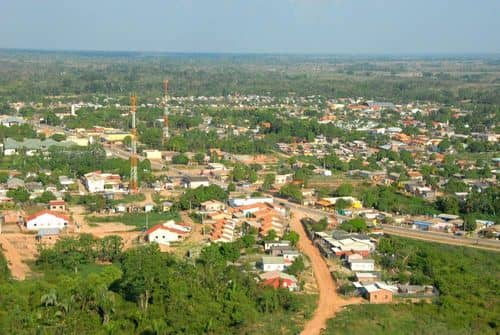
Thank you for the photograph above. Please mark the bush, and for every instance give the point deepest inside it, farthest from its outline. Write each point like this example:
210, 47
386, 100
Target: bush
344, 190
320, 225
180, 159
347, 289
357, 225
296, 267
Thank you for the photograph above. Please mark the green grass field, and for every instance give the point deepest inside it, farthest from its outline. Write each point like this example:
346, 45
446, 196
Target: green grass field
286, 323
469, 303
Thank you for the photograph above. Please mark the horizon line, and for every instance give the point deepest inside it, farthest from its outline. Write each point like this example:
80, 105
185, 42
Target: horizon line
259, 53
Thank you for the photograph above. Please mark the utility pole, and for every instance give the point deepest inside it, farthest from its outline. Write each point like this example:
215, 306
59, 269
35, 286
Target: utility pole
133, 185
203, 225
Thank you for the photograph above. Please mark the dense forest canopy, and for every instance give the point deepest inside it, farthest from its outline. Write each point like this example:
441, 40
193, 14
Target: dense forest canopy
30, 75
140, 291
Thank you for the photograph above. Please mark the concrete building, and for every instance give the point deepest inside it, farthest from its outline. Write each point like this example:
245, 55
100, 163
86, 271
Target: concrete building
362, 264
271, 263
57, 205
378, 293
213, 206
97, 182
283, 178
195, 182
46, 219
237, 202
167, 233
152, 154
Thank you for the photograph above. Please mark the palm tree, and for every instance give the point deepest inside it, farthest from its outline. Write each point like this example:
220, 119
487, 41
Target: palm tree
105, 305
49, 299
159, 327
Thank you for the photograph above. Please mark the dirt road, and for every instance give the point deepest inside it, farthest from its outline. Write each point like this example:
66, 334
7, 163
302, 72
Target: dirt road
329, 301
15, 251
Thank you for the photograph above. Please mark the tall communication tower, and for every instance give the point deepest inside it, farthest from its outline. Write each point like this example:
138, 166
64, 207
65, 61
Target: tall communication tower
165, 112
133, 186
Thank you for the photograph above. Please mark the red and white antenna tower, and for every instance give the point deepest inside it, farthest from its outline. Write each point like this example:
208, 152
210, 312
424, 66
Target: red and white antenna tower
165, 112
133, 186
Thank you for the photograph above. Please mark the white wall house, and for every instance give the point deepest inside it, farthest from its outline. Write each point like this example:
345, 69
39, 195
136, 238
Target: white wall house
9, 151
149, 208
362, 265
213, 206
97, 181
272, 263
152, 154
283, 178
94, 184
46, 219
236, 202
195, 182
167, 232
290, 256
216, 167
271, 244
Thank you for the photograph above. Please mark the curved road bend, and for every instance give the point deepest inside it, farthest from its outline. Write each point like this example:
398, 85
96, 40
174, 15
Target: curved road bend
329, 301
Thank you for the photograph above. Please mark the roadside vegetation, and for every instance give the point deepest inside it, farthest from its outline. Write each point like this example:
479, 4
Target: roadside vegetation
467, 279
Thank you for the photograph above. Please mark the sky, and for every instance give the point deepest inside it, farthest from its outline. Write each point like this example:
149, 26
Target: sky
254, 26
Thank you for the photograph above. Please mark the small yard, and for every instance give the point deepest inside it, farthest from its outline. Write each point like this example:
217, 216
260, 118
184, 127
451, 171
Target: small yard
139, 220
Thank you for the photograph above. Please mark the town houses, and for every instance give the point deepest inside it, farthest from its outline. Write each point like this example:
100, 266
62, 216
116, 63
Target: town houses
97, 182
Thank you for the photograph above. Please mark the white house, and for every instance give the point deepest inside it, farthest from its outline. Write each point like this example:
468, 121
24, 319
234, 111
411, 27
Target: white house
237, 202
46, 219
94, 184
195, 182
270, 244
167, 232
169, 185
120, 208
66, 181
149, 207
323, 172
273, 263
97, 181
290, 256
8, 121
152, 154
213, 206
281, 179
216, 167
362, 264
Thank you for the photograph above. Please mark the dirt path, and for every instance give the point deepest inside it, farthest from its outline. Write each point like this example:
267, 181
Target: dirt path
329, 301
20, 247
17, 267
127, 233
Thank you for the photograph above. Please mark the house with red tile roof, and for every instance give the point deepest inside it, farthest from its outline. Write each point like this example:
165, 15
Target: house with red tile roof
47, 219
57, 205
167, 232
279, 279
223, 230
265, 220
